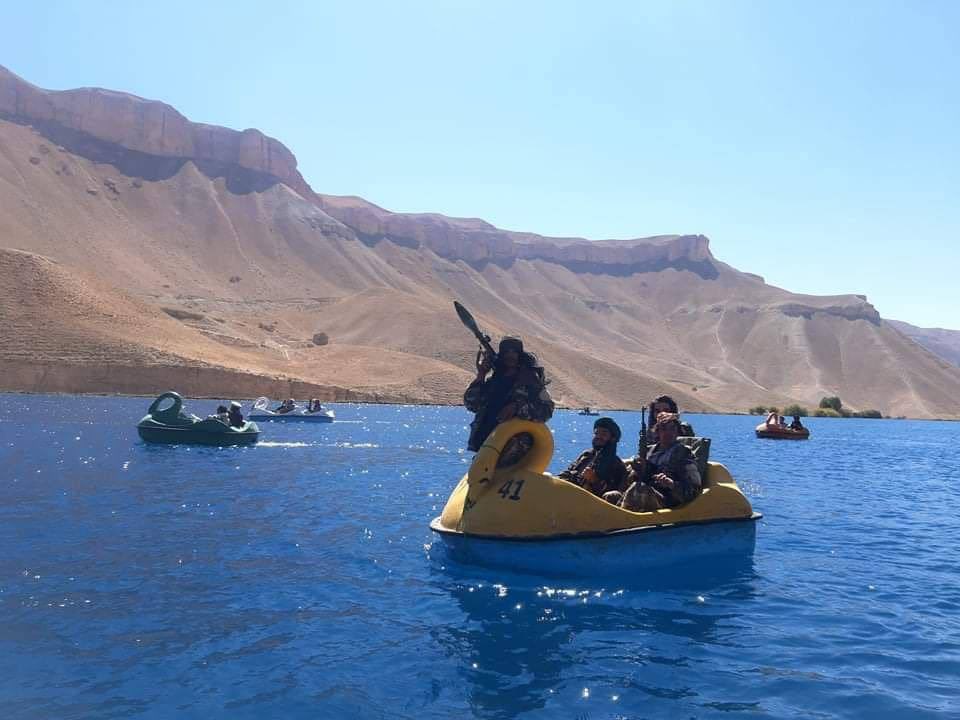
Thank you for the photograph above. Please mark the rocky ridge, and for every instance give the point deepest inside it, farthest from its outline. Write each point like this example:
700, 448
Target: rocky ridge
156, 129
235, 265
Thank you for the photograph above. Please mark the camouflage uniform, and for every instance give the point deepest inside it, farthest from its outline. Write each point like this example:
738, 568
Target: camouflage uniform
611, 472
486, 398
676, 462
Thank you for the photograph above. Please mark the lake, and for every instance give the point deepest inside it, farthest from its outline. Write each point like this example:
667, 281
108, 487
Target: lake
295, 578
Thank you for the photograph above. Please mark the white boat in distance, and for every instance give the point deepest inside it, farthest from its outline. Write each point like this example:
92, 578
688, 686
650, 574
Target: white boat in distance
261, 412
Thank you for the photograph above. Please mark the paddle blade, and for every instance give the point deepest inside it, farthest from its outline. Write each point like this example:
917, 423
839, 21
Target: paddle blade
466, 318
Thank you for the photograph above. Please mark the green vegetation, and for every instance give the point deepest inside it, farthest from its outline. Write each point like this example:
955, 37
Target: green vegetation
831, 403
829, 407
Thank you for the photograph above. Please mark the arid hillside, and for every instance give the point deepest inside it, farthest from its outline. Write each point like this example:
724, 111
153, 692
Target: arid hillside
943, 343
192, 246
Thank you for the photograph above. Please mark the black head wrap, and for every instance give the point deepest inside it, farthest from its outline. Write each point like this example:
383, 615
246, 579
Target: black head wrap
509, 342
611, 425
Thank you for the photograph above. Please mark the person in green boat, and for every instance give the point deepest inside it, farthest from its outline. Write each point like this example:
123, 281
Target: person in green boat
222, 415
666, 478
234, 415
599, 469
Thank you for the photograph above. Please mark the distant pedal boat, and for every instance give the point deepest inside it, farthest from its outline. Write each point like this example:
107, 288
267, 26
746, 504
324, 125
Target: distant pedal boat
261, 412
777, 432
171, 426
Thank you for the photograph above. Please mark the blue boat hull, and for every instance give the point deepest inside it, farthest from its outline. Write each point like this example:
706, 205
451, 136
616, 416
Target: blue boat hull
619, 554
291, 417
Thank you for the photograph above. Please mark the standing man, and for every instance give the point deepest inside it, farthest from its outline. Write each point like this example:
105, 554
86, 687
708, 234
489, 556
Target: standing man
598, 469
517, 389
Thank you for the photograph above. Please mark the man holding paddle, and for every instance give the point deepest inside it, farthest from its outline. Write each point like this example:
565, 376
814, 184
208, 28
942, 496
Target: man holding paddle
517, 389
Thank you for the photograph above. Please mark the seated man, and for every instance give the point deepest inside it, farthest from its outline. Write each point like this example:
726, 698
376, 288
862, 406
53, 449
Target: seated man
666, 404
222, 415
315, 406
234, 415
667, 477
598, 469
796, 424
286, 406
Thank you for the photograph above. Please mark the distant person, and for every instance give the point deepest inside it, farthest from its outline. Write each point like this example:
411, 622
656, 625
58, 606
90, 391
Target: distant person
772, 419
598, 469
222, 415
796, 424
517, 389
782, 421
666, 404
315, 406
234, 415
286, 406
667, 477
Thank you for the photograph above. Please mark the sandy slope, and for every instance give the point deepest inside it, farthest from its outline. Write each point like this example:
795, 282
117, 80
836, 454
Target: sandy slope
261, 265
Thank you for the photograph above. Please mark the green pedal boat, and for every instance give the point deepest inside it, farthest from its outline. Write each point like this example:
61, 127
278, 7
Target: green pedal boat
171, 425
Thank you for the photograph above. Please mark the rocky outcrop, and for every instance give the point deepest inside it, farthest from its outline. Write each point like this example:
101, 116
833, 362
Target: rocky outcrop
146, 126
127, 131
478, 242
857, 309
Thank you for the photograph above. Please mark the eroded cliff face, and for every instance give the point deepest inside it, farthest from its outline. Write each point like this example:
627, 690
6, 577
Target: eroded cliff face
151, 128
218, 229
145, 126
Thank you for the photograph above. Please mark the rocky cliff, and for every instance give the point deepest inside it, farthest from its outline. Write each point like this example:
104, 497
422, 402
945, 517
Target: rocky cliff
229, 260
145, 126
155, 129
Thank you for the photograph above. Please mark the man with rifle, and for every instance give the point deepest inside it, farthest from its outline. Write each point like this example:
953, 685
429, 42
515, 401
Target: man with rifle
662, 476
517, 389
599, 469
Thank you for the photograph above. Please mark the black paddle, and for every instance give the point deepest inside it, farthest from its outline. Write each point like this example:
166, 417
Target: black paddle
467, 319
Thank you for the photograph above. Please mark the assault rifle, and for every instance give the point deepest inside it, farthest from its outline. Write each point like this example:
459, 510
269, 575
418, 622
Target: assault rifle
642, 445
467, 319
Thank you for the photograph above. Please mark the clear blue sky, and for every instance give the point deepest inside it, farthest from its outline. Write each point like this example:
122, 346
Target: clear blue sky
815, 143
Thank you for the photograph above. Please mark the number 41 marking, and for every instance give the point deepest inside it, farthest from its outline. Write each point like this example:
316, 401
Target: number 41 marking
505, 489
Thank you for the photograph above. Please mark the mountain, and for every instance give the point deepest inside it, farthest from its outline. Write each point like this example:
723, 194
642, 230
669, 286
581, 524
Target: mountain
217, 231
942, 343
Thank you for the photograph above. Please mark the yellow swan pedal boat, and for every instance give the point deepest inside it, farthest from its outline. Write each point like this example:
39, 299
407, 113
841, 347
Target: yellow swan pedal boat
522, 517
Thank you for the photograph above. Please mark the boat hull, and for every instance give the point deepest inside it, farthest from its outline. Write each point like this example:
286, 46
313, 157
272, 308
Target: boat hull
190, 436
767, 433
617, 554
293, 417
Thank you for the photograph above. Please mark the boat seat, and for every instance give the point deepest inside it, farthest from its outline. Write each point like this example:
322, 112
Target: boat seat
700, 447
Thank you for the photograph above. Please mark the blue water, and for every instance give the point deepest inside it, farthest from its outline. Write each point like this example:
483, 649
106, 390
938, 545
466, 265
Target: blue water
295, 579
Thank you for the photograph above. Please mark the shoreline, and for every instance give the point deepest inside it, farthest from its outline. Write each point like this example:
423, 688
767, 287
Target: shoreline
104, 394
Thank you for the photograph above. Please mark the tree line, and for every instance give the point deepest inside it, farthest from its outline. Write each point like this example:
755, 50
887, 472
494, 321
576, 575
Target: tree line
830, 406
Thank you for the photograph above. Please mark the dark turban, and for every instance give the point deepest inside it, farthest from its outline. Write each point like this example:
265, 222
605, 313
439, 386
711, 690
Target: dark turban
610, 425
511, 343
